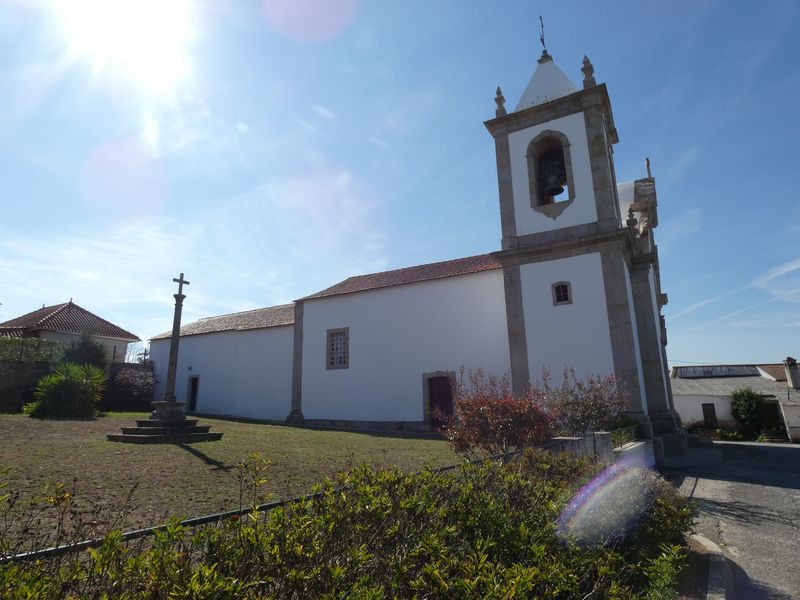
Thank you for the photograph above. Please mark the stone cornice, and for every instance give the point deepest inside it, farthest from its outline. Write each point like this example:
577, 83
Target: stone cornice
581, 240
577, 102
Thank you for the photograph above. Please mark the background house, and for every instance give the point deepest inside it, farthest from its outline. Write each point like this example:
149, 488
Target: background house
65, 323
702, 394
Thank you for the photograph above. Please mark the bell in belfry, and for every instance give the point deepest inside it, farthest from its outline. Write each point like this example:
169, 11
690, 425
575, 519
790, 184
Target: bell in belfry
552, 174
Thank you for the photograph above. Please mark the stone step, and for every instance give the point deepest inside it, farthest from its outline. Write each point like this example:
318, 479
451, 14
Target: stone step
698, 441
181, 438
155, 423
166, 430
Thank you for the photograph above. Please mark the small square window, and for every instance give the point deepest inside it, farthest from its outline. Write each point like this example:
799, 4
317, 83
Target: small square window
562, 293
337, 349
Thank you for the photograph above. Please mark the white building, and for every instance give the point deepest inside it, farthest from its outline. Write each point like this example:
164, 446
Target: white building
575, 283
703, 395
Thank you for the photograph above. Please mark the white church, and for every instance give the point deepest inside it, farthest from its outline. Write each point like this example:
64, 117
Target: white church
575, 283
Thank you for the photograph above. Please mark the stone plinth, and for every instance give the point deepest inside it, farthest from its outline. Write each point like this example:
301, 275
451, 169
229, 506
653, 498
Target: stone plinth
166, 425
164, 410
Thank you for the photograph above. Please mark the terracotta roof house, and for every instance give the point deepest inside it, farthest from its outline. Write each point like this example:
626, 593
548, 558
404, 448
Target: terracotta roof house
65, 323
702, 394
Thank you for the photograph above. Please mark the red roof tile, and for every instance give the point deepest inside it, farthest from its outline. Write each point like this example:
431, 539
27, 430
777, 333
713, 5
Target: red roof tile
260, 318
440, 270
65, 318
775, 370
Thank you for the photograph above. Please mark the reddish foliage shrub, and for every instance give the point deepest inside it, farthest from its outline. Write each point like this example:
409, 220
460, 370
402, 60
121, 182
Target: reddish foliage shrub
489, 419
580, 406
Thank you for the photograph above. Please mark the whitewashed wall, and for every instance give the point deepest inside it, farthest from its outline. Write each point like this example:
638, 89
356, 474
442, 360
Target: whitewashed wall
108, 344
241, 373
791, 417
690, 409
574, 335
396, 335
583, 209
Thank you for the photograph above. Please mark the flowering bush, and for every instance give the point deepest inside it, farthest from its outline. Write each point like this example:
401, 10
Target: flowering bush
580, 406
489, 419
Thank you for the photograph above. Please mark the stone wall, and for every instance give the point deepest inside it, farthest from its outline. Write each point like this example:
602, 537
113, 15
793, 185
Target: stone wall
595, 444
17, 380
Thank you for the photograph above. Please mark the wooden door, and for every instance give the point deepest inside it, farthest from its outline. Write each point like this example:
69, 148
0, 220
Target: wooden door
709, 415
194, 383
441, 399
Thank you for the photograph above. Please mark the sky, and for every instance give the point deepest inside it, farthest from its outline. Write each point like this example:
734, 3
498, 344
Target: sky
268, 149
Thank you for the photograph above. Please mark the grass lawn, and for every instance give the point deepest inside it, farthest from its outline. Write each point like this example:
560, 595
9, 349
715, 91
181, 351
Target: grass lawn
186, 480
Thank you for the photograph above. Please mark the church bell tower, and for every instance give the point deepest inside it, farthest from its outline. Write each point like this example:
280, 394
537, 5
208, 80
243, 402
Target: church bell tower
572, 262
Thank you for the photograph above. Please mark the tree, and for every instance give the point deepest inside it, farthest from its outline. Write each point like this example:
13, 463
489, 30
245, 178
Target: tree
748, 410
86, 352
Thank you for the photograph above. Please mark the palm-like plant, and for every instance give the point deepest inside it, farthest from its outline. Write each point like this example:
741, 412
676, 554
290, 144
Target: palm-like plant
71, 390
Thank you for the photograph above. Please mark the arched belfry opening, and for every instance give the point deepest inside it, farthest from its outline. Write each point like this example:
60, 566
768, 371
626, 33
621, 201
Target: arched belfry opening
550, 172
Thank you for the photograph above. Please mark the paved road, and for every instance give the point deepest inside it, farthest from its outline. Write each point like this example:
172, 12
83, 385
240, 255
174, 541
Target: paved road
748, 497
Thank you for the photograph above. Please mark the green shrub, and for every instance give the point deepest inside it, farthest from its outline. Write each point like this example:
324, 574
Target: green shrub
748, 410
727, 434
70, 391
30, 350
479, 532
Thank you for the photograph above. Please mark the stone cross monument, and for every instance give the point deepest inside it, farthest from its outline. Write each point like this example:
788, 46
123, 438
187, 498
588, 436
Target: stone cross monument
168, 408
167, 423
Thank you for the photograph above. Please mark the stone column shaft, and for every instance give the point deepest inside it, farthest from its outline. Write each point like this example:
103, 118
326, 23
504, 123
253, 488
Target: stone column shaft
172, 366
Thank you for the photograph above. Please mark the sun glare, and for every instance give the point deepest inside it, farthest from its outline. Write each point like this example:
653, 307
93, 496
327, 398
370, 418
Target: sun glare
145, 40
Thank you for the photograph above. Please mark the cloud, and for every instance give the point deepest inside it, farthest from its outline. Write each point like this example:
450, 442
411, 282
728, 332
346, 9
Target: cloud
784, 296
323, 112
687, 223
781, 283
698, 305
306, 125
683, 161
376, 141
284, 239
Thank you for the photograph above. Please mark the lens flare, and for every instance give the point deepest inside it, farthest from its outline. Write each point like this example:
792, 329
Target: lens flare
310, 20
122, 179
610, 506
144, 40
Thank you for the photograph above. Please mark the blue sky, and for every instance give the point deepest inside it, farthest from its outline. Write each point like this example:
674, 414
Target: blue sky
269, 149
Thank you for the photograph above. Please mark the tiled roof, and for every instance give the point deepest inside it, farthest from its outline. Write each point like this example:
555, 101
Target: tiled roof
65, 318
722, 380
440, 270
723, 386
775, 370
260, 318
11, 332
